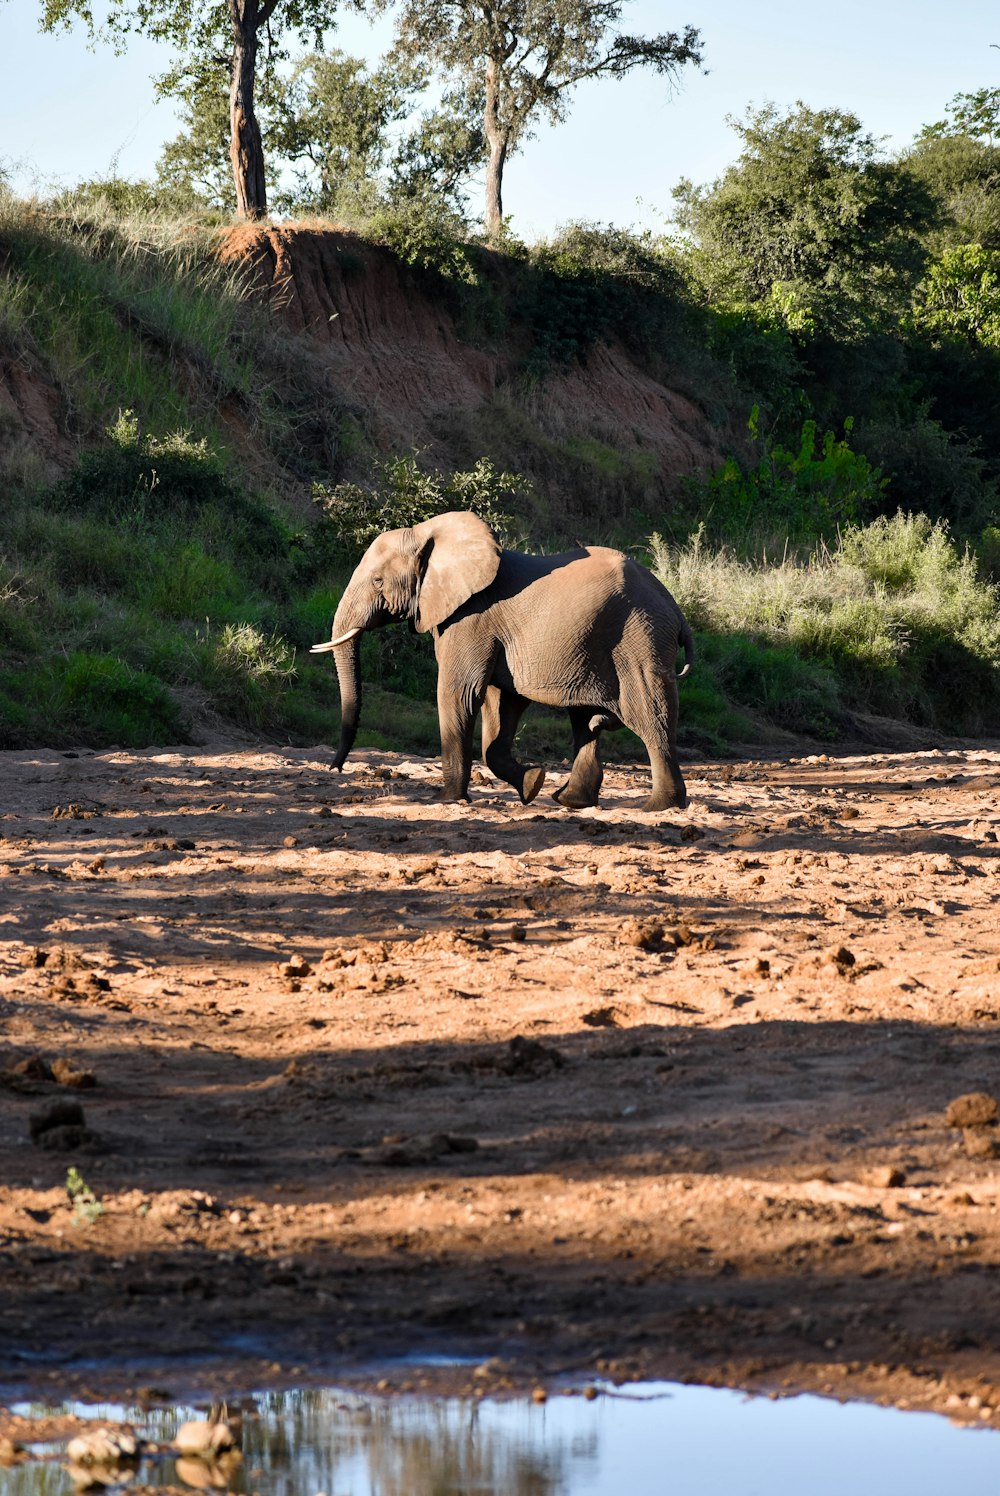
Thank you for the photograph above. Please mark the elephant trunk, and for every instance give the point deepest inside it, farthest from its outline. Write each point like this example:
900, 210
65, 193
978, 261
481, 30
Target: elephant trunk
347, 630
348, 661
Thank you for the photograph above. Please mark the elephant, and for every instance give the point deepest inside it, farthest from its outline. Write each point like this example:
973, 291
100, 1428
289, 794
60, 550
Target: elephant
589, 630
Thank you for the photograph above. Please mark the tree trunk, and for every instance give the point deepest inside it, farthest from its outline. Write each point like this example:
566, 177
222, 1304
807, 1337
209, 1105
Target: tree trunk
245, 149
496, 138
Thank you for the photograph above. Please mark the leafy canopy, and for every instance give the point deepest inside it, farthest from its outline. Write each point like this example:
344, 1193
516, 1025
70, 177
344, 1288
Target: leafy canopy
812, 218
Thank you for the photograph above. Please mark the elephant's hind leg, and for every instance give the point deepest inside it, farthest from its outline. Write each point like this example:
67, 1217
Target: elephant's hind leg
583, 786
655, 722
502, 711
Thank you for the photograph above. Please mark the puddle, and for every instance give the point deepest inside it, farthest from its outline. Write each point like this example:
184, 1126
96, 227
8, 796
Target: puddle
645, 1440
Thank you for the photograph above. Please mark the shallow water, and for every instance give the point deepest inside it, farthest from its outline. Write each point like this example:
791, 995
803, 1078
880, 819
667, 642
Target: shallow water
646, 1440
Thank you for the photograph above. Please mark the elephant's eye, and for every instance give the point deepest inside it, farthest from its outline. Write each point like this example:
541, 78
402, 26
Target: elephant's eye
377, 583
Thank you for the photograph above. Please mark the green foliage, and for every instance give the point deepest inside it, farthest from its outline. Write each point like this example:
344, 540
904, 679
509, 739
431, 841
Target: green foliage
87, 1208
896, 620
959, 297
403, 494
796, 493
932, 470
963, 174
86, 698
811, 221
248, 674
593, 280
975, 115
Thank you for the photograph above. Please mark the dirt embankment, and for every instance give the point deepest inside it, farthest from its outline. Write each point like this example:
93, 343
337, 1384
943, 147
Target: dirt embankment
398, 357
361, 1073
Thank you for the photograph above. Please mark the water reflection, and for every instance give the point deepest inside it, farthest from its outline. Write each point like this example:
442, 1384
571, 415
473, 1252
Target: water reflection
664, 1441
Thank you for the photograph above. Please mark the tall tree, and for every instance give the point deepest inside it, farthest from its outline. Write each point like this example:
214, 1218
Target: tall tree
519, 59
201, 30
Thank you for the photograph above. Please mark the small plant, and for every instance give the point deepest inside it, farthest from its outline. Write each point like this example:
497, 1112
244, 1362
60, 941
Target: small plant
248, 673
87, 1208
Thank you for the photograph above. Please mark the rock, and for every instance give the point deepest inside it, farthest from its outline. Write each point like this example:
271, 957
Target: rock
34, 957
691, 833
294, 968
839, 955
539, 1395
423, 1149
104, 1446
290, 841
33, 1067
66, 1073
980, 1142
884, 1177
972, 1109
59, 1114
67, 1139
204, 1440
645, 935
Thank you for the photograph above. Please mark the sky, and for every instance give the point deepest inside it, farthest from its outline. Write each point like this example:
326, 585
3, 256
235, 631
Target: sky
68, 113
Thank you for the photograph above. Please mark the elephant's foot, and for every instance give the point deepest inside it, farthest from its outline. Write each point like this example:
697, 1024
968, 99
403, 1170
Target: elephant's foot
667, 800
448, 796
573, 799
531, 784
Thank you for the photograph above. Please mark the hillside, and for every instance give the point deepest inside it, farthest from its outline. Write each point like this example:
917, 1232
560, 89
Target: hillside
388, 366
202, 427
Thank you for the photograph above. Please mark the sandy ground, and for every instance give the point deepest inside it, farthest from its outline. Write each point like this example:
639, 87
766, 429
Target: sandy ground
605, 1092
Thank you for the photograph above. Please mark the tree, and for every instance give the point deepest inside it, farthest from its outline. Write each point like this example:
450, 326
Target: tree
342, 140
962, 170
812, 220
359, 142
976, 115
959, 297
206, 32
518, 59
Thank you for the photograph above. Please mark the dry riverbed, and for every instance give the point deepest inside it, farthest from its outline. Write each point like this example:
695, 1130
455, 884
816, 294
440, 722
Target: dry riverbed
347, 1073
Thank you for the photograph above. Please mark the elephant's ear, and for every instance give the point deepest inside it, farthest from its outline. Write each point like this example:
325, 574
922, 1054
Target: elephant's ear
460, 556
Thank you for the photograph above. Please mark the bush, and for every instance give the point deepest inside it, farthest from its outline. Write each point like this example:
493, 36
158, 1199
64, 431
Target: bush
404, 494
86, 698
248, 674
895, 620
795, 493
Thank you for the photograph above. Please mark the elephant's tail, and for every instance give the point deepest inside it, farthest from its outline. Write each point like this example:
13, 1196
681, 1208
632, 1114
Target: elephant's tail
685, 640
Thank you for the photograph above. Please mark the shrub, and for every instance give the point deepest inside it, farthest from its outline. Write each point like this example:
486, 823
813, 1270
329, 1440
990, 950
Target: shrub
799, 493
404, 494
894, 619
248, 673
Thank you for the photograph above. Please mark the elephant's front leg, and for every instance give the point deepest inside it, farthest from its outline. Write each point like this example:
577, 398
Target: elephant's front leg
502, 711
458, 704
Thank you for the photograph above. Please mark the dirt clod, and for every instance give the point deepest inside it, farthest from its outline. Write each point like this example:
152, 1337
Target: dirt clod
973, 1109
980, 1142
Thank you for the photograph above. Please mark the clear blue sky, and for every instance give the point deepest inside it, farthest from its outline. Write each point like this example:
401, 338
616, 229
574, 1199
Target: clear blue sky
67, 113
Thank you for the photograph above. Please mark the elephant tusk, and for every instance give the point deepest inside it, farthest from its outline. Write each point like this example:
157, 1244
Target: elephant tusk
332, 643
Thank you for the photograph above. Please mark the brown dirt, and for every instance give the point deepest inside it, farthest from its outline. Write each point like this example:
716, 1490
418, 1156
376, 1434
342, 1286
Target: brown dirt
657, 1095
396, 354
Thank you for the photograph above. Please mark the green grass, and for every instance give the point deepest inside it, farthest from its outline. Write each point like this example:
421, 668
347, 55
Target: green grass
894, 619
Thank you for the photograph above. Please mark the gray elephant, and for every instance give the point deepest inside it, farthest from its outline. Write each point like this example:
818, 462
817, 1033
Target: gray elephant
590, 630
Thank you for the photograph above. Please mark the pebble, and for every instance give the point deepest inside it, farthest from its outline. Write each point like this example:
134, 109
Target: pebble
67, 1074
884, 1177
